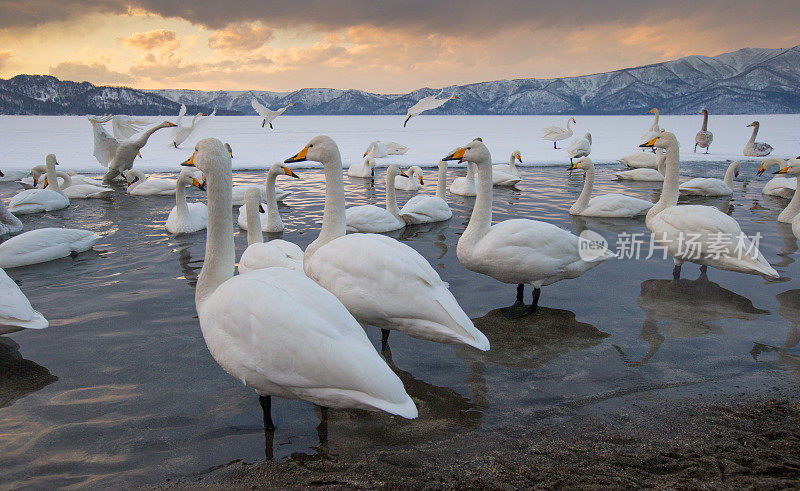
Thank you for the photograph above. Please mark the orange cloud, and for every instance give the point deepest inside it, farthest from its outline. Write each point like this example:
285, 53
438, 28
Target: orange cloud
5, 55
96, 73
159, 39
240, 37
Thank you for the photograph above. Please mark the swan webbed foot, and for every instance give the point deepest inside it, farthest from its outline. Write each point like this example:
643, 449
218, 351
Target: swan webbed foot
266, 408
676, 272
385, 339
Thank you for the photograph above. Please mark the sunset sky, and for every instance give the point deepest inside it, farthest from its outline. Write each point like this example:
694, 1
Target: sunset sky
379, 45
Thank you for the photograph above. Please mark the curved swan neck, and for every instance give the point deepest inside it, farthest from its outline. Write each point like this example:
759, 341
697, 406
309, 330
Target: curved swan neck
481, 219
67, 179
181, 208
273, 215
391, 196
220, 256
470, 173
512, 165
586, 193
669, 190
793, 208
705, 121
140, 175
333, 217
52, 179
755, 133
441, 180
655, 120
254, 235
142, 140
729, 172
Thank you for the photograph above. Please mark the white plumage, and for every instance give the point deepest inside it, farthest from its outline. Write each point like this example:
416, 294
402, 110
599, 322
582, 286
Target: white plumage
374, 219
792, 210
428, 209
182, 133
607, 205
45, 244
557, 133
140, 185
270, 218
465, 186
260, 254
711, 186
426, 104
186, 218
780, 186
16, 312
267, 114
365, 168
580, 147
41, 200
411, 181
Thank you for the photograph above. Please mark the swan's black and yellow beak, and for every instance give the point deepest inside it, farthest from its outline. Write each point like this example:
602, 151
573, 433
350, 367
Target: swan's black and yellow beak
139, 154
519, 158
299, 156
199, 185
365, 154
261, 208
403, 173
760, 170
190, 161
457, 155
36, 181
573, 166
372, 171
1, 174
782, 171
171, 125
264, 122
289, 172
749, 125
649, 144
420, 181
45, 183
736, 173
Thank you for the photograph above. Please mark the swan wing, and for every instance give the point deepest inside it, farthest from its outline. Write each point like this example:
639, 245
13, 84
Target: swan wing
261, 109
14, 305
708, 186
425, 209
617, 205
281, 333
44, 244
105, 145
500, 178
371, 219
125, 127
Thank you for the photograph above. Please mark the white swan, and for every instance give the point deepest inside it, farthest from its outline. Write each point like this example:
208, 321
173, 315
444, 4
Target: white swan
260, 254
711, 186
374, 219
181, 114
654, 128
125, 127
515, 251
703, 138
271, 218
105, 145
80, 191
45, 244
753, 148
267, 114
641, 160
411, 181
40, 200
465, 186
376, 149
426, 104
366, 168
124, 152
394, 148
606, 205
428, 209
645, 175
182, 133
580, 147
780, 186
699, 234
511, 168
505, 178
381, 281
139, 185
557, 133
792, 210
278, 331
16, 312
9, 224
185, 218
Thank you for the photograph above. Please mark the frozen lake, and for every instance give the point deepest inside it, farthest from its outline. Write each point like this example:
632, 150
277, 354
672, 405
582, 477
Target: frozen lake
27, 139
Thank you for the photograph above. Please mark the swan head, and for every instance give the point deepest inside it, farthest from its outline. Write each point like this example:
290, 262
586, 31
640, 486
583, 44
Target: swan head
517, 155
394, 170
704, 111
792, 167
321, 148
754, 124
50, 160
663, 140
653, 111
767, 163
736, 165
573, 120
229, 149
209, 156
416, 171
188, 177
474, 151
278, 168
133, 176
588, 136
584, 163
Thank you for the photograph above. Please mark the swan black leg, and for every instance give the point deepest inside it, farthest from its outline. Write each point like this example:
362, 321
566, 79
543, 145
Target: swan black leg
695, 148
266, 407
270, 126
703, 268
519, 309
322, 430
554, 145
520, 292
535, 304
385, 339
676, 272
175, 144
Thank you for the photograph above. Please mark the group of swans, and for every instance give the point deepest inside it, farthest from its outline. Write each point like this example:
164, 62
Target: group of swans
186, 218
378, 149
643, 173
607, 205
260, 254
777, 186
556, 133
270, 219
267, 114
40, 200
426, 104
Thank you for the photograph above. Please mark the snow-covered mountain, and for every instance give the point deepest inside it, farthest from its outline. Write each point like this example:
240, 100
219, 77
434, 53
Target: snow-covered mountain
744, 81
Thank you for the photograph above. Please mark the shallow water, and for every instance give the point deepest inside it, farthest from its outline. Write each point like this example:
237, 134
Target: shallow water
121, 389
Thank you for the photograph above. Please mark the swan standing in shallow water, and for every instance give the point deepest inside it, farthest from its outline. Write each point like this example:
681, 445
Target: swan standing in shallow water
580, 147
792, 210
124, 152
465, 186
780, 186
381, 281
9, 224
411, 181
428, 209
426, 104
41, 200
704, 137
515, 251
260, 254
362, 169
276, 330
374, 219
185, 218
606, 205
642, 174
45, 244
753, 148
711, 186
653, 131
557, 133
16, 312
267, 114
140, 185
717, 239
270, 219
511, 168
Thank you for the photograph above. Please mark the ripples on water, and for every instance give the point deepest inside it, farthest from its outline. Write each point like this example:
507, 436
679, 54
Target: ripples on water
122, 390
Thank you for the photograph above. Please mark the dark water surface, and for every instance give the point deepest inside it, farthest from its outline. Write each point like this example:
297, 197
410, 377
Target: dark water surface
121, 389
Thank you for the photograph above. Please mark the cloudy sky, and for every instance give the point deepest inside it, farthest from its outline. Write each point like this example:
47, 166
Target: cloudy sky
377, 45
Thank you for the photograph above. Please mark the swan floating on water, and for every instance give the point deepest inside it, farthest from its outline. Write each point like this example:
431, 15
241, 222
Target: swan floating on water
186, 218
45, 244
641, 160
753, 148
426, 104
381, 281
704, 137
511, 168
9, 224
465, 186
16, 312
718, 240
41, 200
267, 114
645, 174
557, 133
374, 219
271, 218
517, 251
411, 181
140, 185
260, 254
606, 205
780, 186
276, 330
428, 209
711, 186
366, 168
792, 210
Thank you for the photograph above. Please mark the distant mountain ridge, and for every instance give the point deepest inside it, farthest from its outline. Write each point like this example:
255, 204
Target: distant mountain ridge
750, 80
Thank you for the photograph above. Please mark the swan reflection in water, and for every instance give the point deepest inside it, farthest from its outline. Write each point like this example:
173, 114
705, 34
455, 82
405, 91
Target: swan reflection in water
790, 310
18, 376
190, 267
789, 245
685, 309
